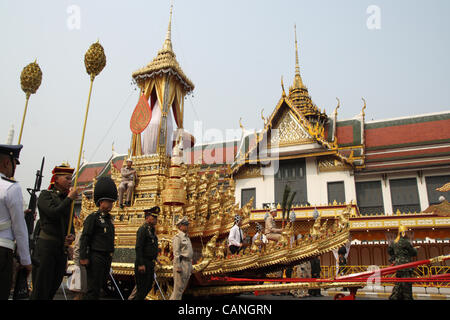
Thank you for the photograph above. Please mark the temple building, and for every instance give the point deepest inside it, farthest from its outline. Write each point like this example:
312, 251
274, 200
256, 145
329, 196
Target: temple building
389, 170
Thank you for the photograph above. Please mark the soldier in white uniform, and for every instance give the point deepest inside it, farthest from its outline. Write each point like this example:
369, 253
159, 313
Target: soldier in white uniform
13, 229
236, 236
127, 183
182, 259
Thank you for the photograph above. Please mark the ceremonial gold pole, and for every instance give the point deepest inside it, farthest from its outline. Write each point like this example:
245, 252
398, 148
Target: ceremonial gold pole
30, 80
95, 61
23, 118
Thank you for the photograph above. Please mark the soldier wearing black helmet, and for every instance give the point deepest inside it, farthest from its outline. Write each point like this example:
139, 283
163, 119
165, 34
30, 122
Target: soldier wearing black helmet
146, 253
97, 239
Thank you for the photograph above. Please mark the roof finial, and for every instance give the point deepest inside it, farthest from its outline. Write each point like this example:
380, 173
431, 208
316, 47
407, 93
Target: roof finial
364, 107
337, 107
298, 82
168, 42
297, 66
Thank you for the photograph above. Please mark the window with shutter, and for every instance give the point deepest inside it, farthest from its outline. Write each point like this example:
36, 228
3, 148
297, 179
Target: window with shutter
336, 192
291, 172
369, 197
246, 195
433, 183
405, 195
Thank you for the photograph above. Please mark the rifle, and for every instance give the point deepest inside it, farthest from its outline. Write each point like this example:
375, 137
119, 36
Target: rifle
21, 290
29, 216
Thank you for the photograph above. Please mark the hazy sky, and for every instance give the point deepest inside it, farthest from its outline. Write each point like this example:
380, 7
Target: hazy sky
235, 52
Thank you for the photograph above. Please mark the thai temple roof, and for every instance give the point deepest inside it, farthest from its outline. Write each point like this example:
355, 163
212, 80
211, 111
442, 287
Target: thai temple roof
299, 96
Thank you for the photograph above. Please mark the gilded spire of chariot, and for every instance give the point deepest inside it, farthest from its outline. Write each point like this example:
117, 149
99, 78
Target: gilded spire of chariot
164, 60
168, 42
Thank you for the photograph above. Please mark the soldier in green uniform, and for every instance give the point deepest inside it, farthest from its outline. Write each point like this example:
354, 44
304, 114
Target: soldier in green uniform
97, 238
146, 253
50, 254
401, 252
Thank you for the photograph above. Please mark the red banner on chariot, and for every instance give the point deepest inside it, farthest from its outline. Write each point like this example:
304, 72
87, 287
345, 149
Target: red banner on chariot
141, 117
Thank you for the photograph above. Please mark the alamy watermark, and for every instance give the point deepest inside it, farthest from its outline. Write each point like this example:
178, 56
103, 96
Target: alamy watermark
373, 21
73, 21
373, 282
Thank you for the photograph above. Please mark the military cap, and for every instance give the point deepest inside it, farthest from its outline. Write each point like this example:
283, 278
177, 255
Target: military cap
61, 170
154, 211
105, 189
342, 250
11, 150
129, 160
182, 220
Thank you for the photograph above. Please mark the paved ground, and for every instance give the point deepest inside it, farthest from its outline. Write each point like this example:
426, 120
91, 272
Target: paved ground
367, 293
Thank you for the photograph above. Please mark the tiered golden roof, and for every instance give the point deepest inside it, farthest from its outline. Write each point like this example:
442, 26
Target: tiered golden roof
164, 62
299, 96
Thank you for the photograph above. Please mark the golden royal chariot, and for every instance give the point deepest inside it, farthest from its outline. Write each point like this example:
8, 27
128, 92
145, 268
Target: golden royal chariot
210, 206
207, 198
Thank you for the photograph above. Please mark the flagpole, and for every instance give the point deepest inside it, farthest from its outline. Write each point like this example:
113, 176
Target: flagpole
95, 61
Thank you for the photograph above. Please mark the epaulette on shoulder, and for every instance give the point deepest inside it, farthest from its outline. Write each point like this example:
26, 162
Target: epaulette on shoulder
9, 180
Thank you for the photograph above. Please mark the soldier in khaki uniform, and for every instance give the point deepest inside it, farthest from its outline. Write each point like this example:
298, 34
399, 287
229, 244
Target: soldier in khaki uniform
272, 233
182, 259
127, 183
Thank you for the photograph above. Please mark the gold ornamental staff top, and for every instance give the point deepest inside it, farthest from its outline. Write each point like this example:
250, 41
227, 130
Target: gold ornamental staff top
94, 61
30, 80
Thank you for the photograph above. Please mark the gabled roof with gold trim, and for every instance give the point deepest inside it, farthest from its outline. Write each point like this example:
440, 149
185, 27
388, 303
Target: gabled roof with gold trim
299, 118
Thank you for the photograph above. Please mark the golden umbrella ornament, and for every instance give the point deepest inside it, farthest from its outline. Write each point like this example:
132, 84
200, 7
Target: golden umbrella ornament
30, 80
95, 61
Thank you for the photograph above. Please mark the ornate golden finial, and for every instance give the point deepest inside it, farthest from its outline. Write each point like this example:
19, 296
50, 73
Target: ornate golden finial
297, 66
168, 42
298, 82
282, 87
240, 124
364, 108
263, 118
337, 107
